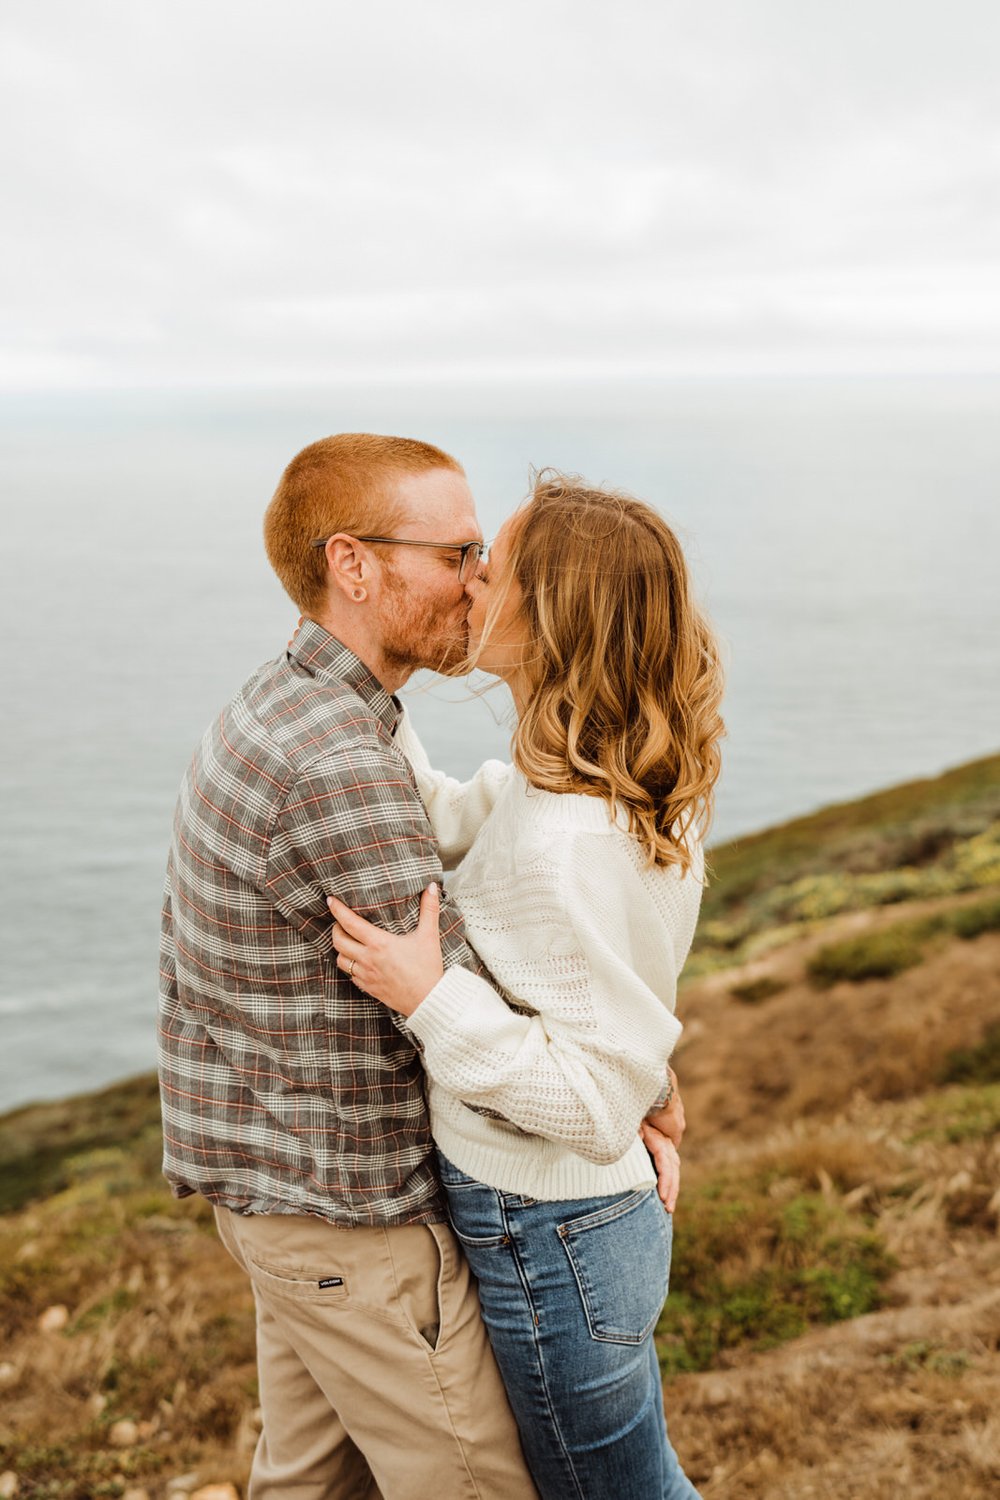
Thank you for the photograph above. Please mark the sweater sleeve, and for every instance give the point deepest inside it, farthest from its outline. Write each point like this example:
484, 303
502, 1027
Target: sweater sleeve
456, 809
596, 964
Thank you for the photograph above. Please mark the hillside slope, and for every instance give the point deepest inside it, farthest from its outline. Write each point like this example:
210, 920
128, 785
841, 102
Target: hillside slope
834, 1319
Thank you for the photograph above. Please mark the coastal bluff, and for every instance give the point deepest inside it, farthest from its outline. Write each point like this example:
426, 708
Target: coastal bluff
833, 1325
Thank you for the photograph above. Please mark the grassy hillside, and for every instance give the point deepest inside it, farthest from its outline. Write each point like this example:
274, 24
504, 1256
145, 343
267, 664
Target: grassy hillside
927, 838
834, 1319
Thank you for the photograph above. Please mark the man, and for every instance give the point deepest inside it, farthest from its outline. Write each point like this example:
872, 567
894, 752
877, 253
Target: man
291, 1100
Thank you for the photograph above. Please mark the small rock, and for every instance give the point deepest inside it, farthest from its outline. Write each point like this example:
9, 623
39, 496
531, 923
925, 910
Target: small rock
97, 1403
9, 1374
182, 1484
54, 1318
124, 1434
714, 1392
136, 1495
216, 1492
9, 1485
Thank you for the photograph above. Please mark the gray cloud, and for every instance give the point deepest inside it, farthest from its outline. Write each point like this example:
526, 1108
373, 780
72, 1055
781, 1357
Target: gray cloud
220, 193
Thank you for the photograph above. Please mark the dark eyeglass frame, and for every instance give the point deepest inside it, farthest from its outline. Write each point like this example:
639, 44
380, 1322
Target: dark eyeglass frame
473, 550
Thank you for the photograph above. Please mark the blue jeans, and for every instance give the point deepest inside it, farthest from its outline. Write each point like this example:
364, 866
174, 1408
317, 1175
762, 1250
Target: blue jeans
570, 1293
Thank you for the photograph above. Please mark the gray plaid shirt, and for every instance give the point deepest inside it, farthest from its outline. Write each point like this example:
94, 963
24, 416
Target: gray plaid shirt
284, 1089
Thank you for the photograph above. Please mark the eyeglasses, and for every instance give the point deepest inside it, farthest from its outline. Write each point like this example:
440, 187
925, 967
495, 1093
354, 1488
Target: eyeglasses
470, 552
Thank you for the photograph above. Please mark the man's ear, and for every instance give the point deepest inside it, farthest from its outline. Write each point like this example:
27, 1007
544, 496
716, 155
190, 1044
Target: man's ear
348, 566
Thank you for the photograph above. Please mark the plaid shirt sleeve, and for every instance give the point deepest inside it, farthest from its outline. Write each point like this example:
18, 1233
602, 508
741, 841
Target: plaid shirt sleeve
353, 826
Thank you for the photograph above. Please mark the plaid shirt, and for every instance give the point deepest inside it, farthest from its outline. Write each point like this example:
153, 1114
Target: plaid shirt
285, 1089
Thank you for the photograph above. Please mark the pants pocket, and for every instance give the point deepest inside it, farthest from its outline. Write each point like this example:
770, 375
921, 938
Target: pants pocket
429, 1312
473, 1209
299, 1283
620, 1258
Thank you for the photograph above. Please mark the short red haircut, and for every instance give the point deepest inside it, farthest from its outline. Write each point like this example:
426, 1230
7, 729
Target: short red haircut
341, 483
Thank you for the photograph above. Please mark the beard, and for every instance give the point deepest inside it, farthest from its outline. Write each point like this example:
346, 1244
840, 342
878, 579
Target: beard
417, 635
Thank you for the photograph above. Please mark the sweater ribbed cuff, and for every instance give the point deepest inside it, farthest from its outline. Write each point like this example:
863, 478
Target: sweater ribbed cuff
445, 1013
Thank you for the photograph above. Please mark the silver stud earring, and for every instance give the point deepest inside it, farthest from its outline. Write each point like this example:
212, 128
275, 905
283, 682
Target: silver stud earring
359, 593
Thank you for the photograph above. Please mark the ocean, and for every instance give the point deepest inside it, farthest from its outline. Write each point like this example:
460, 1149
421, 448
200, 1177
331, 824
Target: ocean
844, 536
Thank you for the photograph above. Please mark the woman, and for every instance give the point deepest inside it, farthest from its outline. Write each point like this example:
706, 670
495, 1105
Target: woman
579, 887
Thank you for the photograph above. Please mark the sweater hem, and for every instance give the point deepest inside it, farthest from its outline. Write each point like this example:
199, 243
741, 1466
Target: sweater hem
518, 1170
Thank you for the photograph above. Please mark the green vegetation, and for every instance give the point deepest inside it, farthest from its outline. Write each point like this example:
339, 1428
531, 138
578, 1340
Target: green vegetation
873, 955
970, 921
979, 1064
923, 1354
44, 1147
756, 991
160, 1329
925, 839
891, 950
758, 1261
61, 1471
960, 1114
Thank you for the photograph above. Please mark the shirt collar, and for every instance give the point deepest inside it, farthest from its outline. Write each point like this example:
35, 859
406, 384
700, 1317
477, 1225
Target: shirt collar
320, 654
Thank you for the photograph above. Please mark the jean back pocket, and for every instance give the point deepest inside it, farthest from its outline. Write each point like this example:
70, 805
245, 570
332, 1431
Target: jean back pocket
620, 1258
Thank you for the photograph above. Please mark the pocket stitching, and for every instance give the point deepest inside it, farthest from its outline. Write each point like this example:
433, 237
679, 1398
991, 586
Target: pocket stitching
290, 1281
597, 1220
482, 1243
604, 1215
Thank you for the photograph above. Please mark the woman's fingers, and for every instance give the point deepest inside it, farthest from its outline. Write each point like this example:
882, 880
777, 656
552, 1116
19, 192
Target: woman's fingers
666, 1162
350, 921
430, 909
347, 946
348, 965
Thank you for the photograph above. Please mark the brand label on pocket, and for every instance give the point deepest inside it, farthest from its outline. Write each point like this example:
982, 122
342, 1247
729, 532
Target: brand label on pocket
332, 1281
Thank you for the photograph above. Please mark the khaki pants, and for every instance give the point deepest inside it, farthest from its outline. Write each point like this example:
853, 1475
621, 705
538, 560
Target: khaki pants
377, 1381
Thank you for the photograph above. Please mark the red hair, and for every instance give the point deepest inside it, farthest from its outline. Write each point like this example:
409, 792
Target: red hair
340, 483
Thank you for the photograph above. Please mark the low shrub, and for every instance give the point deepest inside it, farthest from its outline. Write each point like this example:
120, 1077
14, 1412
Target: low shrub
970, 921
978, 1064
750, 1270
754, 991
874, 955
969, 1113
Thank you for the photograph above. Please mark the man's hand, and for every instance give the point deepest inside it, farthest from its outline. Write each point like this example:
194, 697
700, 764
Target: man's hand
670, 1120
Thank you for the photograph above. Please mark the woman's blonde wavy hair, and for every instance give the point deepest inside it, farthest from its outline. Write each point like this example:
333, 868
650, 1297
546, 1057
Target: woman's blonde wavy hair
622, 675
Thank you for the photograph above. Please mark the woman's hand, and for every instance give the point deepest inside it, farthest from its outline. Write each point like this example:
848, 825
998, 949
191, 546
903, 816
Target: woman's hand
400, 969
666, 1161
670, 1121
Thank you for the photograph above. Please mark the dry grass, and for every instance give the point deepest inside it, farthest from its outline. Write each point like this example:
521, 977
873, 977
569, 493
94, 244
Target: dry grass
804, 1053
907, 1394
160, 1326
839, 1204
159, 1333
859, 1411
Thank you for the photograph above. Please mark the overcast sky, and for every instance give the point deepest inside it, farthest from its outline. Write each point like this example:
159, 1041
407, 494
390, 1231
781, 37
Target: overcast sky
225, 193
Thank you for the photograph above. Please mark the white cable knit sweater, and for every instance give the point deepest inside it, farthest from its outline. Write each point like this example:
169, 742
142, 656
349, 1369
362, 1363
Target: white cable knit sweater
587, 942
